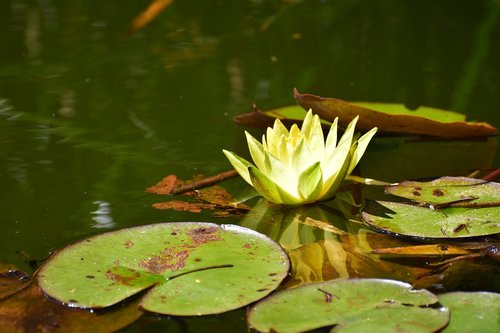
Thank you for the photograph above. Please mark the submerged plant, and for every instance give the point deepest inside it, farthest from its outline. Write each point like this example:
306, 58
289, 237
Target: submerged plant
298, 167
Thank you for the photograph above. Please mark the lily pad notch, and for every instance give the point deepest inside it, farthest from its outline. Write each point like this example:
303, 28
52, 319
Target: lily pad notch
184, 268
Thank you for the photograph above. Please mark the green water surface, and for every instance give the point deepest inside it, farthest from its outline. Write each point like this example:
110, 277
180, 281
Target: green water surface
90, 116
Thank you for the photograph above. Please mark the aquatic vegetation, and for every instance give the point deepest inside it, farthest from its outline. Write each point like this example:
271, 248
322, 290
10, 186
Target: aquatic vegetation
296, 166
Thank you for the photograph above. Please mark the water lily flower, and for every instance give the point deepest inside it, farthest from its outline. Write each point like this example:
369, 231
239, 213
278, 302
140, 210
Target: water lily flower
298, 167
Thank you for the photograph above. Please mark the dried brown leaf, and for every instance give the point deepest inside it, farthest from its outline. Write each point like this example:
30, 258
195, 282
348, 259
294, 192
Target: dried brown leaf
183, 206
30, 310
165, 186
432, 250
330, 108
12, 280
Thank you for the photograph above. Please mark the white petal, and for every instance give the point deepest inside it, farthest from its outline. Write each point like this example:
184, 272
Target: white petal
295, 135
307, 124
317, 140
283, 153
302, 157
256, 151
282, 174
336, 160
331, 139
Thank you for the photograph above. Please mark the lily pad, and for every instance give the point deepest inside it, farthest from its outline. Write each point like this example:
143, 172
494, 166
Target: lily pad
187, 268
289, 115
472, 311
455, 191
422, 222
395, 118
356, 305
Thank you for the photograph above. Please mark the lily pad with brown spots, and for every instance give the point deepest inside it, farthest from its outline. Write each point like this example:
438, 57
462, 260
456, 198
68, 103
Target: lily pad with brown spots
183, 268
450, 191
413, 221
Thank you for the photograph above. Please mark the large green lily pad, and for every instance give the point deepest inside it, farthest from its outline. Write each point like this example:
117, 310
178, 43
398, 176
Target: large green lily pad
457, 191
187, 268
472, 312
357, 305
422, 222
395, 118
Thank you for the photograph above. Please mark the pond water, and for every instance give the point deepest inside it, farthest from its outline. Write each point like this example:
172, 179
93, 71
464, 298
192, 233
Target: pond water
91, 115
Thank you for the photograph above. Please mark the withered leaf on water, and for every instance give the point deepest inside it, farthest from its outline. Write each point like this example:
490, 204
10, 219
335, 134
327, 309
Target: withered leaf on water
198, 206
12, 280
219, 196
183, 206
30, 310
211, 197
165, 186
428, 250
173, 185
394, 118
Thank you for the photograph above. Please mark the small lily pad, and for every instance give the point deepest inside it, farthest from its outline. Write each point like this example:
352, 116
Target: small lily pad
422, 222
455, 191
187, 268
472, 311
357, 305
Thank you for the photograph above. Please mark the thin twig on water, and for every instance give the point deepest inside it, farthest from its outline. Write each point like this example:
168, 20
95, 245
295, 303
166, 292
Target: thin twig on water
205, 182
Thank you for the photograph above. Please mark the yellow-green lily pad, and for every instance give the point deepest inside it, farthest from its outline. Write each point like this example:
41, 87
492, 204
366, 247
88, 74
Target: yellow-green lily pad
422, 222
472, 312
356, 305
185, 268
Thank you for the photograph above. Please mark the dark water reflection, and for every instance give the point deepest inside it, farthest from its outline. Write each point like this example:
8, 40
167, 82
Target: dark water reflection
90, 117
